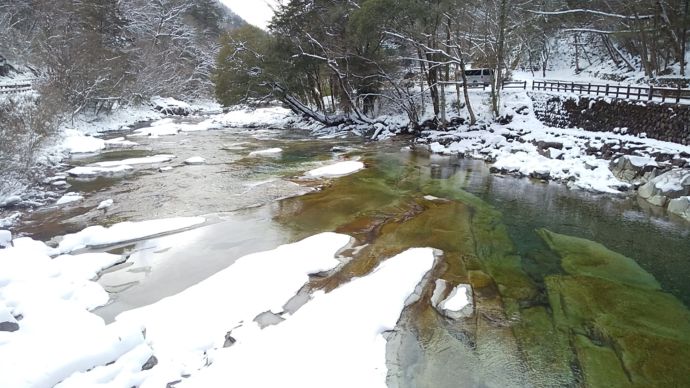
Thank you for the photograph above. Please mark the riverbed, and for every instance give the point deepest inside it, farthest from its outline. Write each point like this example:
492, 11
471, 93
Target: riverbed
544, 312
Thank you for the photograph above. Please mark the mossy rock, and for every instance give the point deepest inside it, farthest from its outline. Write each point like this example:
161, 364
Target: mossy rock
600, 365
650, 329
546, 350
588, 258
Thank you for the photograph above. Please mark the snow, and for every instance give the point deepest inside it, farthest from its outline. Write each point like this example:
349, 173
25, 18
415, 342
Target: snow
272, 117
640, 161
57, 334
119, 143
336, 338
459, 299
92, 172
336, 170
69, 198
97, 236
266, 152
105, 204
61, 343
195, 160
155, 159
78, 143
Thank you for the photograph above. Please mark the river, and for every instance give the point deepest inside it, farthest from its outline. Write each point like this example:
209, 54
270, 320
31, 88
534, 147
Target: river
552, 307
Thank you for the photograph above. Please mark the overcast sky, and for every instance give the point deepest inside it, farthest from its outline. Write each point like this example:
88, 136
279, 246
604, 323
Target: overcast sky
256, 12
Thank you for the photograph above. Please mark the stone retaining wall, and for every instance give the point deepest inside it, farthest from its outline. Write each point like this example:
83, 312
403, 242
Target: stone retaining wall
597, 114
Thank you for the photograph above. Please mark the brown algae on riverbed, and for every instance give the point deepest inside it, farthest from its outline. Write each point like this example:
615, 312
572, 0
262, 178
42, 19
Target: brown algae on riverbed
595, 323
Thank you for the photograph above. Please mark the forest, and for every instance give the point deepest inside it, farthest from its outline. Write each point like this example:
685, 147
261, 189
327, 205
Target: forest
338, 61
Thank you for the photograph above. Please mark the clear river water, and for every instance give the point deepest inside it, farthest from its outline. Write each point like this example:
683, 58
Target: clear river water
570, 288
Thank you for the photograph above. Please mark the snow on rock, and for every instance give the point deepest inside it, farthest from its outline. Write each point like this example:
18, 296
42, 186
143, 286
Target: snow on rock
340, 333
93, 172
164, 127
267, 152
56, 335
105, 204
9, 220
155, 159
68, 198
231, 298
119, 143
661, 189
97, 236
10, 200
195, 160
5, 238
459, 302
336, 170
633, 169
171, 106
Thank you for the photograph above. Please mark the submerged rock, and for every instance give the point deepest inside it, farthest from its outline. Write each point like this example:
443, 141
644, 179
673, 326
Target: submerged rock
626, 331
680, 207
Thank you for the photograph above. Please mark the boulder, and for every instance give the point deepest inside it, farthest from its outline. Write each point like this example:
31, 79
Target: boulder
5, 239
7, 320
665, 187
634, 169
680, 207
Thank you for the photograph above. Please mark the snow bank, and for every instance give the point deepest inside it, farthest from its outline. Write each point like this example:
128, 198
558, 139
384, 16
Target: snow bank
336, 170
337, 339
56, 334
274, 117
77, 143
95, 236
168, 127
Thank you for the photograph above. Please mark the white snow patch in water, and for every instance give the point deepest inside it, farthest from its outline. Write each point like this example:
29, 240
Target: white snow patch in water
98, 235
119, 143
68, 198
92, 172
195, 160
267, 152
105, 204
336, 170
134, 161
